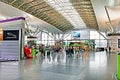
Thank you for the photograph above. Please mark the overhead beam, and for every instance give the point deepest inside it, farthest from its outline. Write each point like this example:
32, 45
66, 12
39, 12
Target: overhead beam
26, 3
111, 26
66, 35
13, 2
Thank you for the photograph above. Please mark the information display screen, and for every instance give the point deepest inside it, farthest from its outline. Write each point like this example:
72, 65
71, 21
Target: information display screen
76, 34
118, 43
11, 35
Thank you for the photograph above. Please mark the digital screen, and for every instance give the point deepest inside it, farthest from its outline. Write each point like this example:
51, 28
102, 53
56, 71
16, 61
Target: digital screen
11, 35
118, 43
76, 34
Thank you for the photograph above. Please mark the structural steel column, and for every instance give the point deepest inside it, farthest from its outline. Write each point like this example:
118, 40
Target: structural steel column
41, 36
102, 34
47, 38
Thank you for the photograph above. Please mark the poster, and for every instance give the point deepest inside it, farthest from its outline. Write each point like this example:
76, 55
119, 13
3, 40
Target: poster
11, 35
118, 43
1, 34
76, 34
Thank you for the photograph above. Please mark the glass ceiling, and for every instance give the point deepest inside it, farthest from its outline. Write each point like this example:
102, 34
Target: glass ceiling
65, 8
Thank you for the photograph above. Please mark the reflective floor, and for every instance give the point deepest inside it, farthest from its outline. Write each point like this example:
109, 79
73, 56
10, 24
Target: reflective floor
87, 66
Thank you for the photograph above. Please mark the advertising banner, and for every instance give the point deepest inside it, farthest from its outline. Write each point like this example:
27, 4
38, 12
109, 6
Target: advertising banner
11, 35
1, 34
118, 43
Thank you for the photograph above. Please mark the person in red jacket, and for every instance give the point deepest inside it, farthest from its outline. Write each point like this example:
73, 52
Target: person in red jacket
27, 52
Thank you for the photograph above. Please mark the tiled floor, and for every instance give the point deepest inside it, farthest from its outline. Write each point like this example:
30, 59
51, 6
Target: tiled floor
89, 66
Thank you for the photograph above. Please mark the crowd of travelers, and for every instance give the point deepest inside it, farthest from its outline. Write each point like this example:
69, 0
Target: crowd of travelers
41, 49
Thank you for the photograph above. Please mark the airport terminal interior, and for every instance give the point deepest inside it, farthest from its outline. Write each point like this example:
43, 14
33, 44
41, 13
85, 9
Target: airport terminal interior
59, 39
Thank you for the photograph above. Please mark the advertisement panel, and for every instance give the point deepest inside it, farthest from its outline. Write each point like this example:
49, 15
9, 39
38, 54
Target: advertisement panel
1, 34
11, 35
76, 34
81, 34
118, 43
